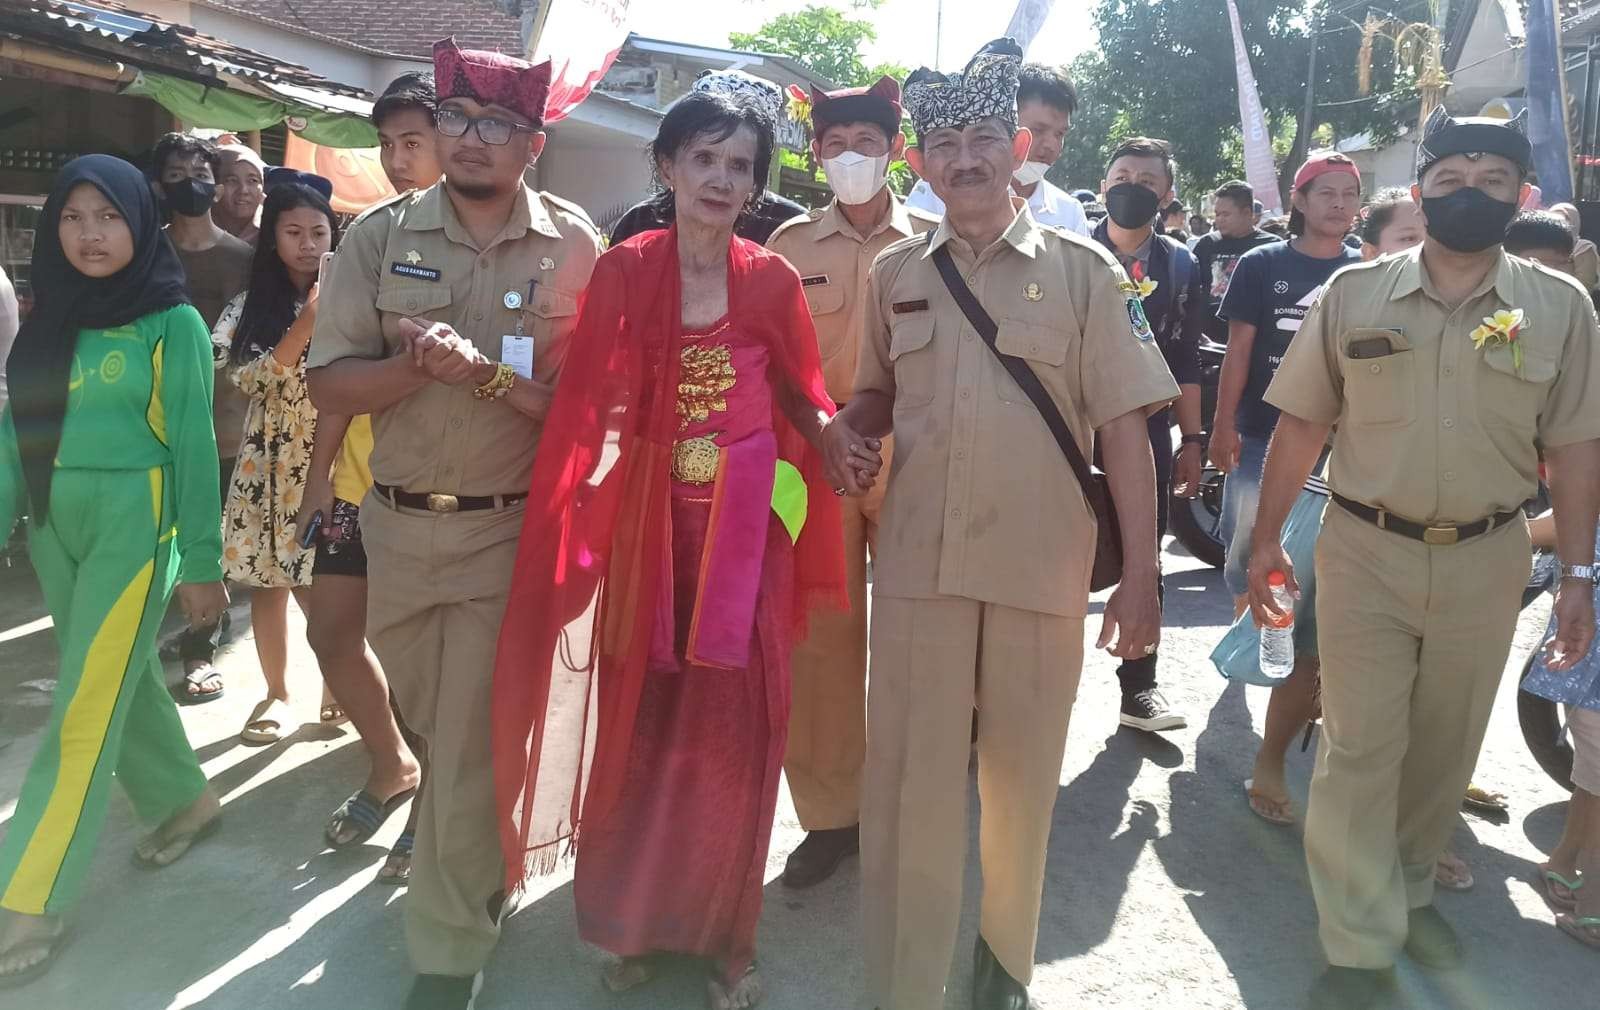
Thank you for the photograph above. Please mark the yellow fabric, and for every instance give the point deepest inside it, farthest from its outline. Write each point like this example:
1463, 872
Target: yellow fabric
155, 414
351, 476
789, 498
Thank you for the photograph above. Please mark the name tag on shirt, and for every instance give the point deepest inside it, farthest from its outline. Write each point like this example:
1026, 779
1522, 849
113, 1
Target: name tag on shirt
408, 270
517, 351
813, 280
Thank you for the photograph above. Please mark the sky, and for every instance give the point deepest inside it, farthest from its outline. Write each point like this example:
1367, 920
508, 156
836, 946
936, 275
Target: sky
906, 33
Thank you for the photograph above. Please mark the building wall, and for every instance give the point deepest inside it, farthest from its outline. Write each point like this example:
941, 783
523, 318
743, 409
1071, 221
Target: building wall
1392, 165
1488, 66
600, 179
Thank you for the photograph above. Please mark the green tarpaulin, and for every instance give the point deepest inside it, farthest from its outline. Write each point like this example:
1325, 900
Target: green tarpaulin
221, 109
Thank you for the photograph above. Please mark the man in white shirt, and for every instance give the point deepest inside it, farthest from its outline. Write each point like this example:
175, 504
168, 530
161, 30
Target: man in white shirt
1046, 101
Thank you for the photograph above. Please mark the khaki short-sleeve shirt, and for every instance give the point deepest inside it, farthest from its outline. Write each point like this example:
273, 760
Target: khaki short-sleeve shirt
412, 257
833, 261
1430, 427
981, 503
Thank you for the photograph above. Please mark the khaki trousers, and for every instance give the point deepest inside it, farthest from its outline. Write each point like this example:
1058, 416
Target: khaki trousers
436, 593
828, 714
931, 661
1413, 640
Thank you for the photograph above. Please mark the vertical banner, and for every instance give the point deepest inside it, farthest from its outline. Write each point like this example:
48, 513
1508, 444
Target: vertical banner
1259, 169
1547, 103
581, 39
1027, 21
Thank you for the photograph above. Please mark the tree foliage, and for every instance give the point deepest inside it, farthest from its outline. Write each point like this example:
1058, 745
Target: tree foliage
826, 40
1165, 69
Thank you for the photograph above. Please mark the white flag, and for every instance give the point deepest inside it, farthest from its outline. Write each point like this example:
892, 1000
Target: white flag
1027, 20
1259, 169
581, 38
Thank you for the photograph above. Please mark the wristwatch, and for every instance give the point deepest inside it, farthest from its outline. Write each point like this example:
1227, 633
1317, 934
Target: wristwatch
1585, 573
1195, 439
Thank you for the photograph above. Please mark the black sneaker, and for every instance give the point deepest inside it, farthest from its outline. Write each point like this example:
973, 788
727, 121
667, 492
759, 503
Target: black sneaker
444, 992
1148, 710
819, 855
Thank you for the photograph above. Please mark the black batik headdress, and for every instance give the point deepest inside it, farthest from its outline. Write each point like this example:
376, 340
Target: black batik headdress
985, 89
1444, 135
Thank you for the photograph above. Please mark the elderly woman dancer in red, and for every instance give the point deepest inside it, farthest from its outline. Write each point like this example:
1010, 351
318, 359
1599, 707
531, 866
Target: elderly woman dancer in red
679, 527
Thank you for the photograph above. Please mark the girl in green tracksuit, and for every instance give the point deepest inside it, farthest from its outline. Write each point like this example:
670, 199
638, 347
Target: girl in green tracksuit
107, 444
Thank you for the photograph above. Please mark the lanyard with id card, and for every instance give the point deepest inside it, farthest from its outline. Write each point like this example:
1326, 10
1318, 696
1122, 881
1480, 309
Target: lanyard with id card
516, 349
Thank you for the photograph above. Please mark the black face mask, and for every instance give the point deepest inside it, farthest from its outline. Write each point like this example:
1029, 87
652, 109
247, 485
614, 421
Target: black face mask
1468, 220
1131, 205
189, 197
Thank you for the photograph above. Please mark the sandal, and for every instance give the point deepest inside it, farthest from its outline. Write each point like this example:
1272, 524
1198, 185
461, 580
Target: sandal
1263, 811
333, 715
720, 995
399, 861
183, 841
194, 686
1549, 879
51, 945
1454, 875
628, 974
1584, 929
268, 723
364, 812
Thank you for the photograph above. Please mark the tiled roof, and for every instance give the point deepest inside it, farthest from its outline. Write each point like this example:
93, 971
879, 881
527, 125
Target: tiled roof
399, 27
117, 32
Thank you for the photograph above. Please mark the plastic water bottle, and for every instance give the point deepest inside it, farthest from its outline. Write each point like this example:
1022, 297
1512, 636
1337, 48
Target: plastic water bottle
1277, 640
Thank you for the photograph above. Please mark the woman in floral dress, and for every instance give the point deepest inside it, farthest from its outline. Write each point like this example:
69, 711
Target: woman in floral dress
261, 341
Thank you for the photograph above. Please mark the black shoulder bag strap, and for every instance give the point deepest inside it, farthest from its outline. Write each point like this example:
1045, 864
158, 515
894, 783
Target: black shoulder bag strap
1108, 553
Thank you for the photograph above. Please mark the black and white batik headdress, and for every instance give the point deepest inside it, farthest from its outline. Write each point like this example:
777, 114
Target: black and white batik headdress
739, 84
985, 89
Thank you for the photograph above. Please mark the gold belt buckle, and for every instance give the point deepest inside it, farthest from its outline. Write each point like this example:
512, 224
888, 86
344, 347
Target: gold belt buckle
442, 502
694, 460
1441, 536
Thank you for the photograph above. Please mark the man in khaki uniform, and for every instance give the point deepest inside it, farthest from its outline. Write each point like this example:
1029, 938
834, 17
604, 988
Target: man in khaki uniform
445, 315
1444, 369
981, 582
857, 134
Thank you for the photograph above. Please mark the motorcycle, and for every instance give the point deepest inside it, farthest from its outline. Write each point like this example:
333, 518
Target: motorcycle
1196, 522
1544, 722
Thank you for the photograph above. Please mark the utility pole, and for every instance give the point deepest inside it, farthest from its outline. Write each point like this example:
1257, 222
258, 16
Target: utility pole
1307, 121
938, 33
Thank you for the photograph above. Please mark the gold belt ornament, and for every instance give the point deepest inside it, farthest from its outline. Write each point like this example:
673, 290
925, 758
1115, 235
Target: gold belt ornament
694, 460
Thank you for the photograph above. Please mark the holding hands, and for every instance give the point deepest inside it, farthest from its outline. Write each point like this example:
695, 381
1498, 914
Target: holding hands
444, 354
852, 461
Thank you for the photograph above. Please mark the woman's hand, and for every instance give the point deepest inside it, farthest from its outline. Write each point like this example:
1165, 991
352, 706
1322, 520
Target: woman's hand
202, 602
318, 498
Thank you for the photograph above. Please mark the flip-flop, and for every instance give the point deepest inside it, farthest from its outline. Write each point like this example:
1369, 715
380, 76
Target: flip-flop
268, 723
332, 715
1482, 799
196, 678
1554, 900
52, 952
364, 812
401, 850
1250, 797
185, 840
1581, 929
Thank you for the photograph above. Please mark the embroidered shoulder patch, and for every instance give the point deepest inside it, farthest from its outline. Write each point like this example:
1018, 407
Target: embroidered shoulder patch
1136, 316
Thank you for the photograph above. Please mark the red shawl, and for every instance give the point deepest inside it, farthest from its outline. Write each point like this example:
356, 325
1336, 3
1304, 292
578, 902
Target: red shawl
577, 630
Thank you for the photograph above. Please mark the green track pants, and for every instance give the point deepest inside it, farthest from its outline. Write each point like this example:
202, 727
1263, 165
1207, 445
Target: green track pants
106, 561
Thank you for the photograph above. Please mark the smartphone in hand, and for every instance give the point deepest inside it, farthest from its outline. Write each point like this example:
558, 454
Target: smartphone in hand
312, 530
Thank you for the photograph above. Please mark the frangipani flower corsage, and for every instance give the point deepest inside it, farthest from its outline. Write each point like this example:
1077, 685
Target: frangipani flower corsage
1502, 330
1142, 284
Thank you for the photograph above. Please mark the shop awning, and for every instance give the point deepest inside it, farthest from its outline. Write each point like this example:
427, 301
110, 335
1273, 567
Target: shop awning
229, 109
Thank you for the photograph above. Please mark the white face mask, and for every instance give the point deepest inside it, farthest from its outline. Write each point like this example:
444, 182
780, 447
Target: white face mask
856, 178
1031, 173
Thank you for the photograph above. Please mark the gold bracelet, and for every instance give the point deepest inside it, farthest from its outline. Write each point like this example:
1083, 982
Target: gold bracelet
499, 385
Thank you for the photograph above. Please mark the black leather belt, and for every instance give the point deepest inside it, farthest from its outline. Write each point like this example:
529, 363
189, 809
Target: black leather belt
1439, 536
434, 502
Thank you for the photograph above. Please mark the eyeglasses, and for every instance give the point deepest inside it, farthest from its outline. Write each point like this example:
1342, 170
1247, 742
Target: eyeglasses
491, 129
